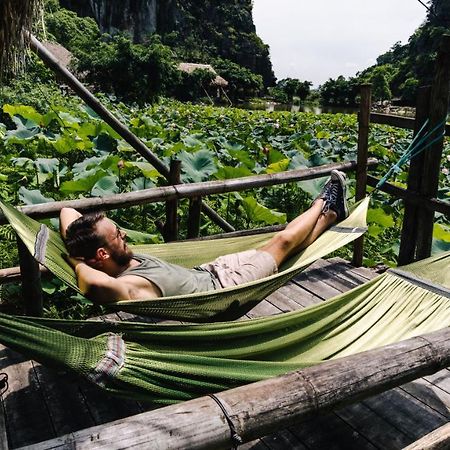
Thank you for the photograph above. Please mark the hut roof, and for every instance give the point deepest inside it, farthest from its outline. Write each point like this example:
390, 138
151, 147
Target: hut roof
190, 67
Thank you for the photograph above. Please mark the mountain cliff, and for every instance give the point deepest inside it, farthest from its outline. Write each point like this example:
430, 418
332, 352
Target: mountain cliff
198, 31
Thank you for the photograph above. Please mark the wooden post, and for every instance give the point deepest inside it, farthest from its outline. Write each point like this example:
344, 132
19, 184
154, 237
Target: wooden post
361, 166
31, 281
171, 226
433, 155
261, 408
195, 209
51, 62
409, 229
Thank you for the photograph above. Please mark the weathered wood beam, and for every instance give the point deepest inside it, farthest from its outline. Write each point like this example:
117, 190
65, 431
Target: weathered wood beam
47, 210
267, 406
409, 227
361, 167
171, 225
194, 216
398, 121
438, 439
432, 204
440, 93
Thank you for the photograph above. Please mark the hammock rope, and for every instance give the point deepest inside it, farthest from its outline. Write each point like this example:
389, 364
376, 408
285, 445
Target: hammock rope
221, 304
171, 363
420, 143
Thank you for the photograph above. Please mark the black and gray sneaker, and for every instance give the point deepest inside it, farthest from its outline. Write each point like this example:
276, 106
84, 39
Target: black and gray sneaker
325, 195
337, 200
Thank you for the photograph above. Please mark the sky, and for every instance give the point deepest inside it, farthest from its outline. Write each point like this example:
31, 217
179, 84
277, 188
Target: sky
316, 40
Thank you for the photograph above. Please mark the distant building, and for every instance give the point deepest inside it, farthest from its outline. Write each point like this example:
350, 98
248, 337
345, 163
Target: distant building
190, 67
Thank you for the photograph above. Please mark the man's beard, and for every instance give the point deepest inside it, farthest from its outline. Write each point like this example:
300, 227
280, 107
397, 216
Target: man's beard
121, 257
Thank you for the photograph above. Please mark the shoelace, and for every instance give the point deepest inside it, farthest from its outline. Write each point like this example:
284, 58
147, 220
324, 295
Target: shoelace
331, 196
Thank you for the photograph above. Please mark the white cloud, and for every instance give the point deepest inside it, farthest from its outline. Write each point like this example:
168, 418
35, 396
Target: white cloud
321, 39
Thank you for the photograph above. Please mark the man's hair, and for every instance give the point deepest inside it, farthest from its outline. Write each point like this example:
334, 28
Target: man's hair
82, 238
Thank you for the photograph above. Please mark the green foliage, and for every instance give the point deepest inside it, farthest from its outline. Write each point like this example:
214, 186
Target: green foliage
69, 153
243, 83
132, 72
294, 88
340, 92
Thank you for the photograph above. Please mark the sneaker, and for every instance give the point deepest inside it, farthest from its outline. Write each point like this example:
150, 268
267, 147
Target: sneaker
325, 195
337, 200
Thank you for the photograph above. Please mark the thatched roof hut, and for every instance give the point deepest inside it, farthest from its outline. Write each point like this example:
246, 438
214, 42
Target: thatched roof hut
190, 67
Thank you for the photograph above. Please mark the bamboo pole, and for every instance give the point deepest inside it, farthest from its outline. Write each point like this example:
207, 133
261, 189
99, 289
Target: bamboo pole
361, 168
52, 209
112, 121
267, 406
419, 200
432, 161
408, 239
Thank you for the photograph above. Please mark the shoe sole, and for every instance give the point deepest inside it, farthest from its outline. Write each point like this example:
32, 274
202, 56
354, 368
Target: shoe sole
342, 178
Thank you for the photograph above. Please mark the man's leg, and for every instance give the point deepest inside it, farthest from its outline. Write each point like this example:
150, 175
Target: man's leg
329, 207
301, 232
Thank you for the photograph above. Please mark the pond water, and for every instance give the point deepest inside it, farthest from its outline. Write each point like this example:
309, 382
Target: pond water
316, 109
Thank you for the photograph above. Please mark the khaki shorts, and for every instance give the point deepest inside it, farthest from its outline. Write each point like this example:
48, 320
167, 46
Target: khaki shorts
242, 267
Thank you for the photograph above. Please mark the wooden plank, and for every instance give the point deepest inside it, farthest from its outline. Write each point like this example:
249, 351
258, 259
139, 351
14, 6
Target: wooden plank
27, 418
330, 432
263, 309
3, 434
431, 395
373, 427
396, 406
438, 439
283, 440
59, 390
293, 397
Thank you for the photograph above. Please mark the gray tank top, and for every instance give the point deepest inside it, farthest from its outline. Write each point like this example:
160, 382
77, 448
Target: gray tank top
172, 279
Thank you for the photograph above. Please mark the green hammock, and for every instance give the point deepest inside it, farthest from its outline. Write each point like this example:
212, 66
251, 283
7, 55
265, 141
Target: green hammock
171, 363
223, 304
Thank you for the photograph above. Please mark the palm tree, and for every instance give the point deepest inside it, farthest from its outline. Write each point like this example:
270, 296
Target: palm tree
16, 19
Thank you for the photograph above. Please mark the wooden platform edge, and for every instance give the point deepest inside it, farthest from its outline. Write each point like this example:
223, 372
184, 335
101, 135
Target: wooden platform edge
3, 435
294, 397
438, 439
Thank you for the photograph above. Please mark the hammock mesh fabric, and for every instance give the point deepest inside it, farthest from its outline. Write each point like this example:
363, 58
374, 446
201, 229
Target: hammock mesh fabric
170, 363
223, 304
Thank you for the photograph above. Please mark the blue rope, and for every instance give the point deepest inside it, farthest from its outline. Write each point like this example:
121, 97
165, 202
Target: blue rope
416, 147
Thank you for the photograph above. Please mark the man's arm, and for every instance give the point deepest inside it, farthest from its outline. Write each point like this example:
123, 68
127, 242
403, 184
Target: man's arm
66, 217
102, 288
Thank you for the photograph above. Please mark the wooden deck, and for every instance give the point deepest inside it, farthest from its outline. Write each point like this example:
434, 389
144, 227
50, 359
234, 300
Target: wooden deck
42, 403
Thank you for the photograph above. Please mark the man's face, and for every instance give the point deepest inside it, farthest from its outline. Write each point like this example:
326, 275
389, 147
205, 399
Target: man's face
115, 242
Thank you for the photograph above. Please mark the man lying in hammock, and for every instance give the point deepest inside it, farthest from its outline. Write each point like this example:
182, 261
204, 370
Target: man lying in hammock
108, 271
